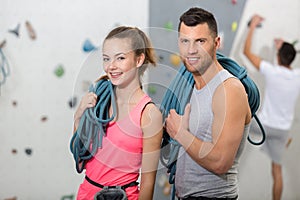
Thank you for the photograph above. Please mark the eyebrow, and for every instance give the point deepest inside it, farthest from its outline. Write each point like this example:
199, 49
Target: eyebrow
118, 54
197, 39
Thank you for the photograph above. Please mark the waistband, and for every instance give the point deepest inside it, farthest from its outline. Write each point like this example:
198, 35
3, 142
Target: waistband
133, 183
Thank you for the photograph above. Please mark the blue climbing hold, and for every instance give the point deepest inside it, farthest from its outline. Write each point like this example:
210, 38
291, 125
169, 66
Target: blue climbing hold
88, 46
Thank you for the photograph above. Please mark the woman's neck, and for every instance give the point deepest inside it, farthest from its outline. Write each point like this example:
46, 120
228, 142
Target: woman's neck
129, 95
126, 99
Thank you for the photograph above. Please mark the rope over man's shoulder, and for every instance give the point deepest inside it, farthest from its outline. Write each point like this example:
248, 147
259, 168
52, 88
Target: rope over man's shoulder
178, 95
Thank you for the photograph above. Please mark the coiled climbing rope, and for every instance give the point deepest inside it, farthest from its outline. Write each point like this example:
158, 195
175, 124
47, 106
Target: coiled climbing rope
92, 126
178, 95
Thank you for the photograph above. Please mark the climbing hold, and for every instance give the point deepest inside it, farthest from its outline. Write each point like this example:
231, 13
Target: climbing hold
258, 25
14, 151
169, 26
117, 24
59, 70
15, 31
28, 151
295, 42
72, 102
2, 44
4, 68
162, 179
30, 30
88, 46
44, 118
161, 58
151, 89
69, 197
233, 2
167, 188
175, 59
234, 26
14, 103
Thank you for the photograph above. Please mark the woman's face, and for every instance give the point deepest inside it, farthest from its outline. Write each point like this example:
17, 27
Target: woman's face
119, 61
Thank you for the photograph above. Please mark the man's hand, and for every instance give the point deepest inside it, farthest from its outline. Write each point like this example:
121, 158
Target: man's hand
278, 43
288, 142
176, 124
256, 21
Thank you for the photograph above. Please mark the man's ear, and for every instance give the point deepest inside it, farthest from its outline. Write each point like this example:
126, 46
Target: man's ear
218, 42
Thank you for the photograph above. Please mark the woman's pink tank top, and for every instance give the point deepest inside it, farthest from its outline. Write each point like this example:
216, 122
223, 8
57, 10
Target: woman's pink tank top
119, 160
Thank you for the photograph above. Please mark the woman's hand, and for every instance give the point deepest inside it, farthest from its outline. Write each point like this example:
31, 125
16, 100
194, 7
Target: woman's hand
88, 101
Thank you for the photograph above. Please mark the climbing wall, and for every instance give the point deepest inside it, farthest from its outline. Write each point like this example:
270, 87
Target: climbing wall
51, 49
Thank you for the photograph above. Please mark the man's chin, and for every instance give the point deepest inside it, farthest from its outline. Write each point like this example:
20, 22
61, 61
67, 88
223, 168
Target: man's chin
190, 67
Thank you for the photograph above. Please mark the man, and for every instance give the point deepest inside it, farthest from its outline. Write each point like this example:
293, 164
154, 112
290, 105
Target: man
215, 123
281, 92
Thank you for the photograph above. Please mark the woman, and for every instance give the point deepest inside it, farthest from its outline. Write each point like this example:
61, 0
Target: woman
131, 141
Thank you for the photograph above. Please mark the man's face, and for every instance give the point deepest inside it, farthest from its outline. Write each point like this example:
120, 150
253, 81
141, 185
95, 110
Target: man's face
197, 47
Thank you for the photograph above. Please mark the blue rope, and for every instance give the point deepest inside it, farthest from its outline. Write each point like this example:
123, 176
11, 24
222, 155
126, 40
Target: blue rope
4, 68
250, 87
178, 95
92, 126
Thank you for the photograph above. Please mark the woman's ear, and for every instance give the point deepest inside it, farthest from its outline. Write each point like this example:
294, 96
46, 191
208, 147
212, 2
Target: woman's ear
140, 60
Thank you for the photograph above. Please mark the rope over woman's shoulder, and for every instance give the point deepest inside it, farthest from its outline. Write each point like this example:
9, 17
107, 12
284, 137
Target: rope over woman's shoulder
92, 126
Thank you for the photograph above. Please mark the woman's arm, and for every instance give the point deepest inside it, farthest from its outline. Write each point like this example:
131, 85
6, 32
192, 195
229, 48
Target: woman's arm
152, 134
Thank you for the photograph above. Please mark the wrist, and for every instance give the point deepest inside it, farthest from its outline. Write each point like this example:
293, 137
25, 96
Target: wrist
185, 138
78, 115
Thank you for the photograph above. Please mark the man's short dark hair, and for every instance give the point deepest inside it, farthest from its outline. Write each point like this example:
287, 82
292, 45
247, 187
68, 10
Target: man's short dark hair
287, 54
195, 16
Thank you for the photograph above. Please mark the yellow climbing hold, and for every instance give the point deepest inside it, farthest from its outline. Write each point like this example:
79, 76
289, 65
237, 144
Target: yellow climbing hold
175, 59
234, 26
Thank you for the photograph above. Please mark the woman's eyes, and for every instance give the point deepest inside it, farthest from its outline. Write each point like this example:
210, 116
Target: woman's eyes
118, 58
105, 59
121, 58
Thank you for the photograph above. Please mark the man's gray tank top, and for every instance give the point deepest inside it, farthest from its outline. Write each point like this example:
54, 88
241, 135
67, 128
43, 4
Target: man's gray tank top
191, 179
